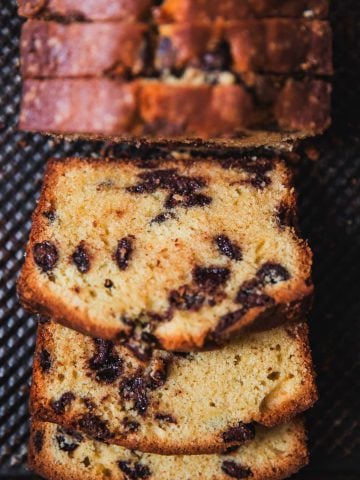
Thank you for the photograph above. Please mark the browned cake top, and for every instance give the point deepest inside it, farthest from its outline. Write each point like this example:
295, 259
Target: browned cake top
190, 10
86, 9
121, 49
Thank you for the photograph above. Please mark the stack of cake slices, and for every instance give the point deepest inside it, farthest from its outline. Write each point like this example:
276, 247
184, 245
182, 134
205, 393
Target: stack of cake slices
172, 342
233, 72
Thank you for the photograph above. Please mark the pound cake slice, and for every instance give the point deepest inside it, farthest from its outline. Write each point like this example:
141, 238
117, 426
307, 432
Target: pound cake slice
211, 10
167, 403
272, 45
55, 50
57, 453
188, 109
52, 49
86, 10
189, 251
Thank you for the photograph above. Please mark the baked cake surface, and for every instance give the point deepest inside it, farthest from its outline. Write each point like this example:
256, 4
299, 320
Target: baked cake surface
168, 403
191, 10
184, 109
191, 251
273, 455
55, 50
173, 10
273, 45
52, 49
86, 9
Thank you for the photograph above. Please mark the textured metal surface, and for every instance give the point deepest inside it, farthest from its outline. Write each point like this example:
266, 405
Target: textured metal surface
329, 207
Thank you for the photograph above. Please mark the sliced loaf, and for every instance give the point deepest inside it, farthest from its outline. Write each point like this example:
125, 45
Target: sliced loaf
57, 453
170, 403
189, 251
265, 109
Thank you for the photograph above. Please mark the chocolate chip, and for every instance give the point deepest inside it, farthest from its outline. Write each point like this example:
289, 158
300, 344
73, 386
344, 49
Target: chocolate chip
234, 470
228, 248
108, 283
218, 59
130, 426
89, 404
81, 258
45, 360
153, 180
86, 462
68, 440
165, 417
171, 180
187, 201
139, 341
38, 440
240, 433
50, 215
260, 181
106, 362
182, 189
94, 426
163, 217
165, 53
59, 406
250, 295
272, 273
135, 389
45, 255
134, 470
256, 167
210, 278
124, 251
229, 319
186, 298
158, 369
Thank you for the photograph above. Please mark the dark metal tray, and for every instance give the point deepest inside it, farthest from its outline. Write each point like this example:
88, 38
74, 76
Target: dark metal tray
328, 183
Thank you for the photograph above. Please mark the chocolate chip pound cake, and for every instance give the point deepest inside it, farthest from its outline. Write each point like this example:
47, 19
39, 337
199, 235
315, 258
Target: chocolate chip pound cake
273, 45
55, 50
167, 403
267, 110
57, 453
188, 251
52, 49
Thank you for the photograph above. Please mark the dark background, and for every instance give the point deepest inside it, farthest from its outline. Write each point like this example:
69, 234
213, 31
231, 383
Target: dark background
327, 176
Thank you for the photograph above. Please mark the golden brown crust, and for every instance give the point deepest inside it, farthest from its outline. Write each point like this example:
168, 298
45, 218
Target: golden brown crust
86, 9
276, 407
174, 111
98, 106
269, 45
46, 459
54, 50
193, 10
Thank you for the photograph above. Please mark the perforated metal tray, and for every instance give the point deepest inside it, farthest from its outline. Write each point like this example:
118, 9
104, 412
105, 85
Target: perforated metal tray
329, 195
